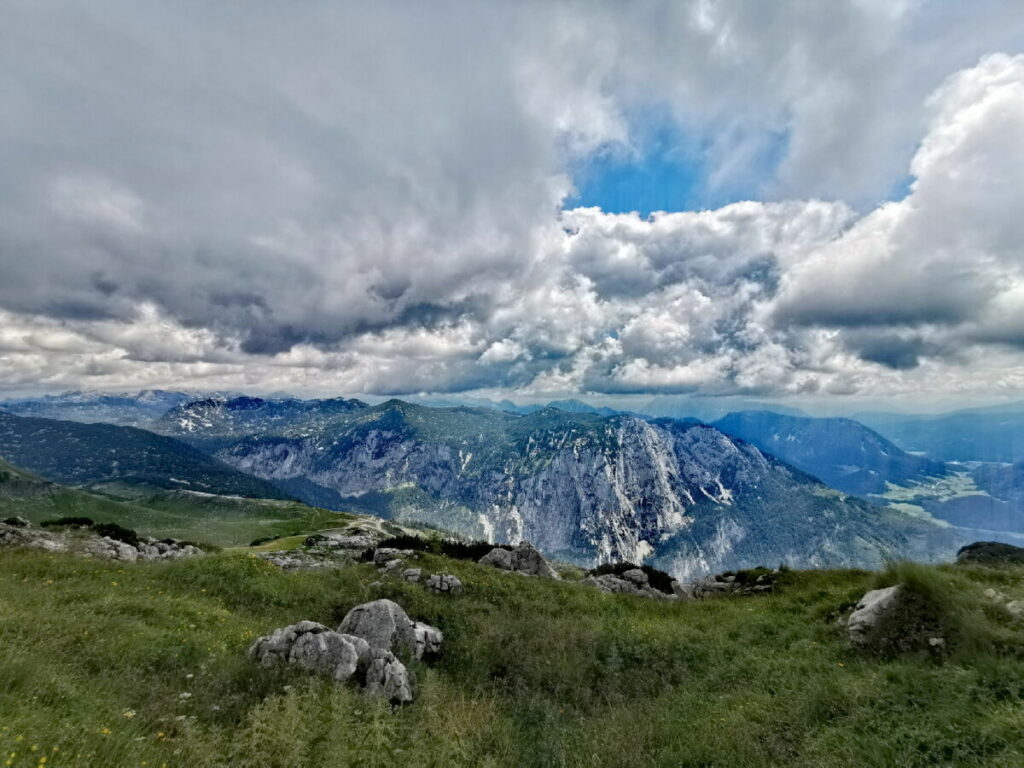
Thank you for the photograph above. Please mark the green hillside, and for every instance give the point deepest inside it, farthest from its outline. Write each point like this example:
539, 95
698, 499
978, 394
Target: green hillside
84, 454
144, 665
224, 521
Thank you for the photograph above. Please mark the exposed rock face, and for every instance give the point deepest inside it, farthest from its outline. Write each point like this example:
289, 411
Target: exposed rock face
523, 559
683, 497
444, 583
383, 624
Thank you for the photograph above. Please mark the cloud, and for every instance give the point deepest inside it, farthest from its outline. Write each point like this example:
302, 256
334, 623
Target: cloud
367, 198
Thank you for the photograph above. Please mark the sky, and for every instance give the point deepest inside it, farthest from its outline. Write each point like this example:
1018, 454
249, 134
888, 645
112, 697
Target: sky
796, 201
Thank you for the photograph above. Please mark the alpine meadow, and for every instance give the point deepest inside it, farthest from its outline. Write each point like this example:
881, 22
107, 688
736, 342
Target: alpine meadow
550, 384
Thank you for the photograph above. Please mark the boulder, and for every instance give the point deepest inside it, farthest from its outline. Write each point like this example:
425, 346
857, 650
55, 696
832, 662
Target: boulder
526, 559
444, 583
523, 559
636, 576
309, 646
383, 624
384, 676
895, 620
428, 641
412, 575
384, 555
340, 657
499, 557
872, 613
111, 549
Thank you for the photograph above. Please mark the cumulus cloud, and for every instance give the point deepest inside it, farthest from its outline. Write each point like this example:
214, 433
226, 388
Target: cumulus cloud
367, 198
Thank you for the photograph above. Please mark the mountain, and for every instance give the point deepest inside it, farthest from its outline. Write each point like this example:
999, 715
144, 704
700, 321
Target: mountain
124, 409
972, 435
708, 408
843, 453
583, 487
214, 422
89, 454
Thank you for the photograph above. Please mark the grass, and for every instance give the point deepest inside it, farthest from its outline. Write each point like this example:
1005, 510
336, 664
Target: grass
224, 521
109, 664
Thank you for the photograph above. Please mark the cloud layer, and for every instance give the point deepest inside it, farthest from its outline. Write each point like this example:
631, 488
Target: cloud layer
368, 198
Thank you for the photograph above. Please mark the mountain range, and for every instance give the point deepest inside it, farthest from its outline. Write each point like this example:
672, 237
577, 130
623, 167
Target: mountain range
841, 452
583, 482
581, 486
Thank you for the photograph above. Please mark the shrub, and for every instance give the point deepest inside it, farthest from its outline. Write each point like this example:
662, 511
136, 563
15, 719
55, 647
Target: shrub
116, 532
73, 522
17, 522
472, 550
658, 579
453, 548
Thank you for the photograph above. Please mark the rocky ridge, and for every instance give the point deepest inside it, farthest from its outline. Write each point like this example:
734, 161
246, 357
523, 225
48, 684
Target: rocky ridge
84, 542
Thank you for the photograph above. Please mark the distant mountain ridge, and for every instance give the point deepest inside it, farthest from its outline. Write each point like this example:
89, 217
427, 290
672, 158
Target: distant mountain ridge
123, 409
973, 435
841, 452
216, 421
74, 454
581, 486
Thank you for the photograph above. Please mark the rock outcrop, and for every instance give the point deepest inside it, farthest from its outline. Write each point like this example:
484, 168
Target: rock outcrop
84, 542
444, 583
523, 559
895, 620
991, 553
631, 582
316, 649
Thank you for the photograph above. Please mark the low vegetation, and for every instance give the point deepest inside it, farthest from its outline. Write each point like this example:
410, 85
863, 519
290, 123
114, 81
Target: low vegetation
144, 665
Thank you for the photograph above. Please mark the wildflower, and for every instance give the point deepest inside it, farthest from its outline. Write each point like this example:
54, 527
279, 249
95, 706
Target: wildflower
105, 731
42, 759
129, 713
35, 747
184, 695
113, 583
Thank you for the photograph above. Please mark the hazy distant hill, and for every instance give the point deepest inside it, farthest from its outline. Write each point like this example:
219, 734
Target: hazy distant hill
125, 409
843, 453
975, 435
85, 454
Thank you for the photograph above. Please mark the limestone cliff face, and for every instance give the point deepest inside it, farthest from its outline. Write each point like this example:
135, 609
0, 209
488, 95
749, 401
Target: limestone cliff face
591, 488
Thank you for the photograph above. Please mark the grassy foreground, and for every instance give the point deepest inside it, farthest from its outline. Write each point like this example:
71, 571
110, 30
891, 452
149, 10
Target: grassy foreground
105, 664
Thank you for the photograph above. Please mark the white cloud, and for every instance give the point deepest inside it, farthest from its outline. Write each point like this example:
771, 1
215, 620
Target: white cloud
333, 198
